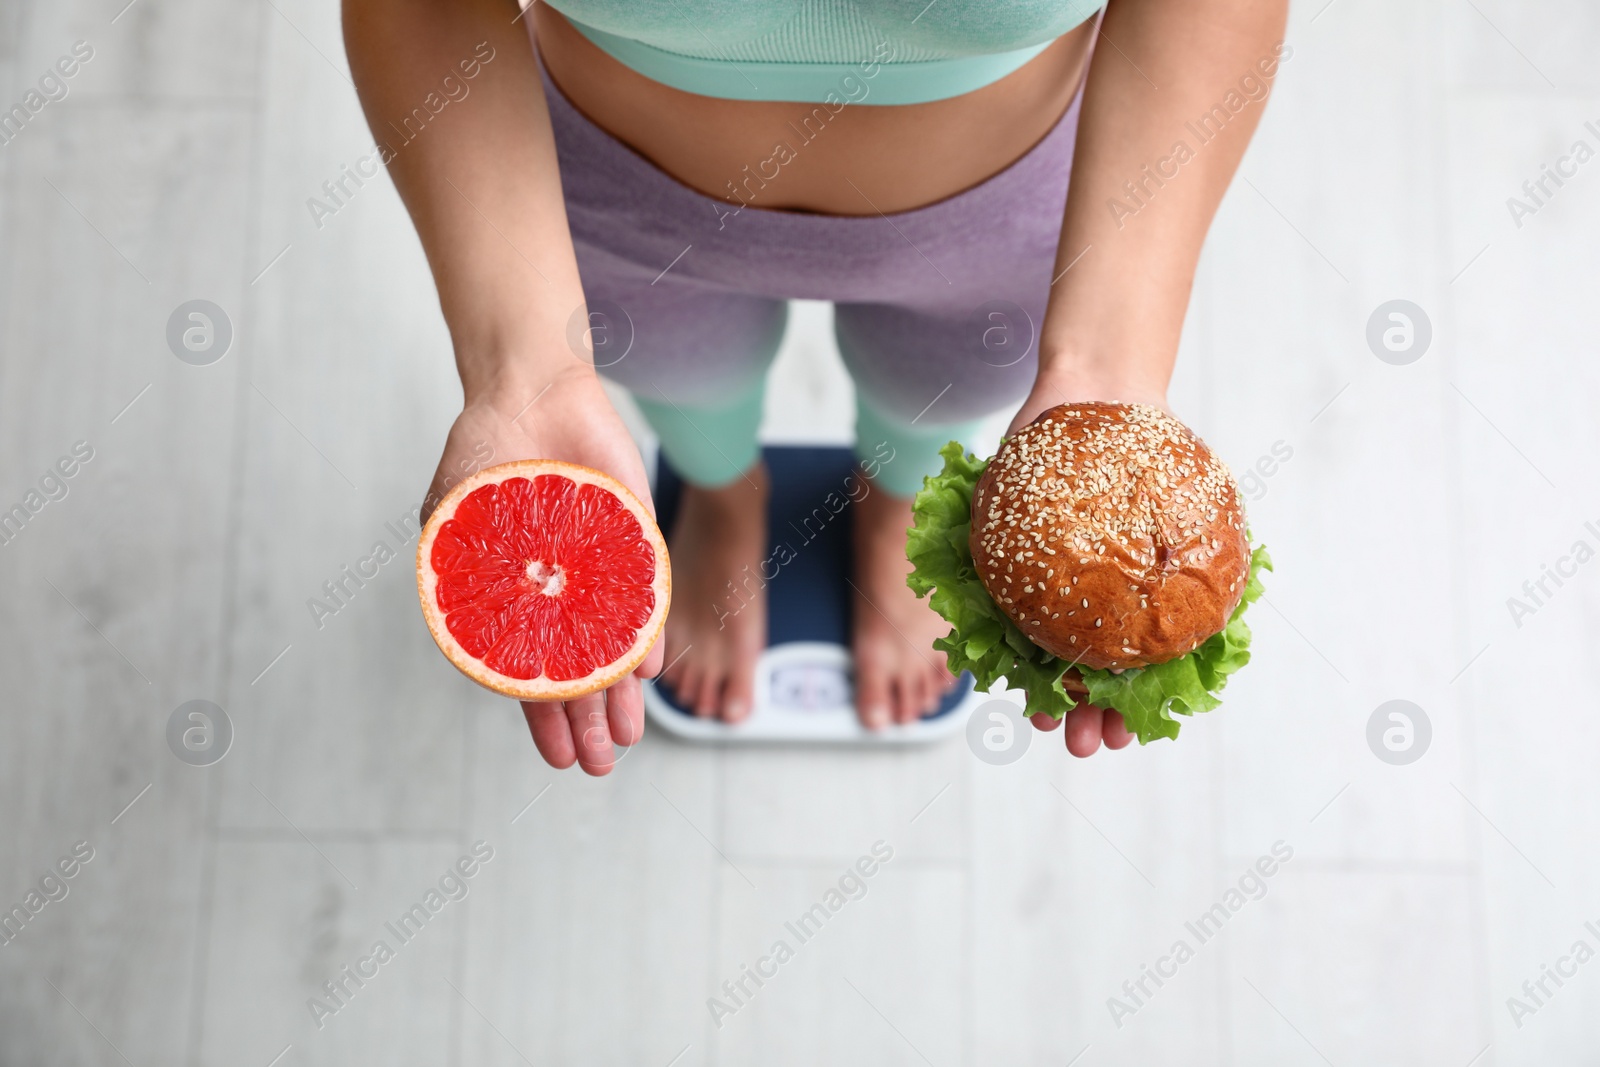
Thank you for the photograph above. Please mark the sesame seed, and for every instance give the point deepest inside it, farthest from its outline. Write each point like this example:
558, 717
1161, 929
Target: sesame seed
1093, 477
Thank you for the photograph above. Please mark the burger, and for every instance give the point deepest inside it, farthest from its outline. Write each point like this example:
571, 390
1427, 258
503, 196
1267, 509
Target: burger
1110, 535
1102, 555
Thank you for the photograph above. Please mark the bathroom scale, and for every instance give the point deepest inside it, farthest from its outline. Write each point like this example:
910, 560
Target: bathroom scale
804, 686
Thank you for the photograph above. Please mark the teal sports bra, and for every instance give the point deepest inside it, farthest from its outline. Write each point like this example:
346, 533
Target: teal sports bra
825, 51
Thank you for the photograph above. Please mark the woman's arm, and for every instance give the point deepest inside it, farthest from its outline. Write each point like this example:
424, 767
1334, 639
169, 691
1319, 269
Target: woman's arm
479, 179
478, 174
1175, 90
1174, 93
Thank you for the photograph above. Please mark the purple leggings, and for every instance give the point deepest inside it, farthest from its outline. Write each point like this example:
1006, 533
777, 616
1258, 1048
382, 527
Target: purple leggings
936, 310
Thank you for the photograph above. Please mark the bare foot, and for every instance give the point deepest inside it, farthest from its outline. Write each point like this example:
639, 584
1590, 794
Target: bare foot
718, 624
899, 675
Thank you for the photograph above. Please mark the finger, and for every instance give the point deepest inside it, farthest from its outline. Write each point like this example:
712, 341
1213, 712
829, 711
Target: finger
547, 722
641, 489
625, 711
1116, 730
1045, 722
1083, 730
591, 737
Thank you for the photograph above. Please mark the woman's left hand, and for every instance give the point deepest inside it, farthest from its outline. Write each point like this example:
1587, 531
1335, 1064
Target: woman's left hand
1087, 725
1059, 382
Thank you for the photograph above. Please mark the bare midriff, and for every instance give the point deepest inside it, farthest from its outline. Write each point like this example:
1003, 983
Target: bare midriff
861, 159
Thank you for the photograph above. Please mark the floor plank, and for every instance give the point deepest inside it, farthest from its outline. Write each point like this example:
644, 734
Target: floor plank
113, 590
1534, 390
879, 980
349, 399
607, 884
292, 914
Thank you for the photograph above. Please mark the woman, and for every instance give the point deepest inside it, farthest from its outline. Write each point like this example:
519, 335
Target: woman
688, 165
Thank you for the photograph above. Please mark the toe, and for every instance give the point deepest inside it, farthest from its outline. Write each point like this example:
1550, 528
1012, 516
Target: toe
927, 693
872, 692
708, 702
678, 676
738, 696
900, 697
675, 659
689, 686
939, 684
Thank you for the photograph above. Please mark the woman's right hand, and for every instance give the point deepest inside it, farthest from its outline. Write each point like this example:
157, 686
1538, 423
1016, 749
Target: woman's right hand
484, 190
569, 419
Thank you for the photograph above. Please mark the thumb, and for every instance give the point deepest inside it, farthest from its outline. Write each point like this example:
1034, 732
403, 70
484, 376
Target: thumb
652, 663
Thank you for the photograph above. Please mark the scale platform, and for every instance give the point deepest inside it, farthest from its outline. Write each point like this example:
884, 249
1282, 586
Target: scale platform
804, 685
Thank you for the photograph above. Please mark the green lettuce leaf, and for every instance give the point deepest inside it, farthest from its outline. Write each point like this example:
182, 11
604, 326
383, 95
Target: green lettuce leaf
987, 643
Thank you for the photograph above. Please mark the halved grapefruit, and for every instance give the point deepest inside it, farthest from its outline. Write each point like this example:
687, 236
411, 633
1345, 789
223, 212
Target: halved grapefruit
543, 580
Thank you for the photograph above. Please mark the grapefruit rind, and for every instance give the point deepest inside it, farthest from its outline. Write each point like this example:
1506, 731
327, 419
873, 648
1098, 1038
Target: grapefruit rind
542, 688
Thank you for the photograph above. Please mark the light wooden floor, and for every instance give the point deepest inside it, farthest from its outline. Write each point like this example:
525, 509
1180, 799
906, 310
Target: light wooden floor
1417, 500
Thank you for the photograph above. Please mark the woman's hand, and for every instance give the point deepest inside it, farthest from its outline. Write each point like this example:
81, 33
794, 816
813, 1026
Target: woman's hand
484, 191
1122, 276
1087, 726
1062, 381
570, 419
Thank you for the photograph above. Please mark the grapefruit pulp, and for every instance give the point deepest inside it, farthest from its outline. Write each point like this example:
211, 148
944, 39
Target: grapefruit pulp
543, 580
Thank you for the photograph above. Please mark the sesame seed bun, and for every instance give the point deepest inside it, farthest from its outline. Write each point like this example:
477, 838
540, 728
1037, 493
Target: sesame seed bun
1110, 535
